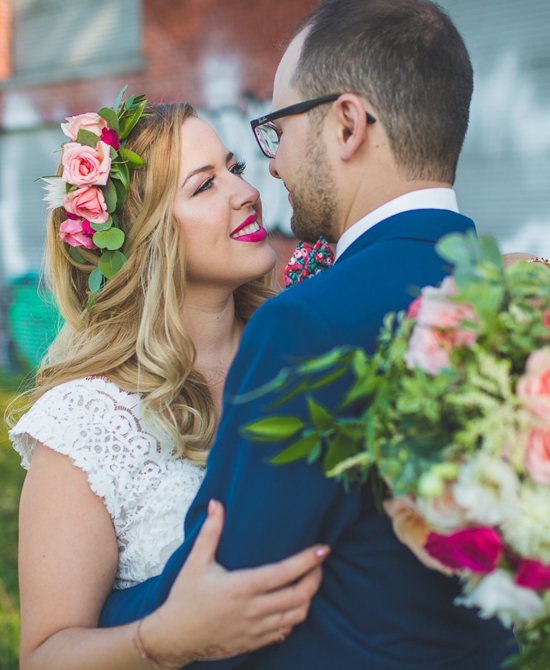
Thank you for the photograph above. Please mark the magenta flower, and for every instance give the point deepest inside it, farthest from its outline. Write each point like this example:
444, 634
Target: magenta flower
111, 138
475, 549
74, 232
533, 575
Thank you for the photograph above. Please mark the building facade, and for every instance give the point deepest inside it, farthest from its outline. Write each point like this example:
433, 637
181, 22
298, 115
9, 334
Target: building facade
59, 59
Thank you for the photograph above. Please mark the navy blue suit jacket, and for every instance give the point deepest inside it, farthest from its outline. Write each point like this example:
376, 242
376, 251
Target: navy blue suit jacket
378, 608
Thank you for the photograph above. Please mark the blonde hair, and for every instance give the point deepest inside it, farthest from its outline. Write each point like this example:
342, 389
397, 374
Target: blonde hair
133, 334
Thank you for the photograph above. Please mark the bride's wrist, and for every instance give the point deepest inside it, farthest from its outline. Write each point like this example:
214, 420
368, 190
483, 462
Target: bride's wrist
153, 646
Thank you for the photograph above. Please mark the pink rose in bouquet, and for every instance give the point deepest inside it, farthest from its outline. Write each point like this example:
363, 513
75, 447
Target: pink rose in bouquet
474, 549
90, 121
533, 575
76, 233
537, 457
84, 165
438, 328
88, 203
533, 388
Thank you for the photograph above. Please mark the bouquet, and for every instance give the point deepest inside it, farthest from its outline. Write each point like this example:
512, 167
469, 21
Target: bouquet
451, 424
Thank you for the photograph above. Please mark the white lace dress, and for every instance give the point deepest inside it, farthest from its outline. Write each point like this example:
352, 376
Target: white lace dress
145, 488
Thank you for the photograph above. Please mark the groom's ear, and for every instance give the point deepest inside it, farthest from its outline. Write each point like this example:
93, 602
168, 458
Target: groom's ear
351, 124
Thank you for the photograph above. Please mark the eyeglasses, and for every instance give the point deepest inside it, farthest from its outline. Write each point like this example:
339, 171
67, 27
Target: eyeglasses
266, 132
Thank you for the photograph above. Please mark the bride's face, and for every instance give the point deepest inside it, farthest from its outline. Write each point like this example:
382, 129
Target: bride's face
224, 241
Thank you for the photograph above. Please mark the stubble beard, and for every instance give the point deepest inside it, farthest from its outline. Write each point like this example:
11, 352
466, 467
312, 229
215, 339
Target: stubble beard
314, 196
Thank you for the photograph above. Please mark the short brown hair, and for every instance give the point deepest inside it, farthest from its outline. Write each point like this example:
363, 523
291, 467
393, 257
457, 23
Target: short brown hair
408, 59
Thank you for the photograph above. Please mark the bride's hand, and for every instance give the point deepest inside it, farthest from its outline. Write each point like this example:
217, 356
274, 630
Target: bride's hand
215, 613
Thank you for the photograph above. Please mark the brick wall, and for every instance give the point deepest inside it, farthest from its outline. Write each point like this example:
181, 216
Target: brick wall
179, 39
5, 41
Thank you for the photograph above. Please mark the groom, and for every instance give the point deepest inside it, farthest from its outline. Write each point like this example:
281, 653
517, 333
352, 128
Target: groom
371, 170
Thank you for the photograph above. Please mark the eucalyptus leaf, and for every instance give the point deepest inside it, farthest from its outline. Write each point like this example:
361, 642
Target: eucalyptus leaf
87, 138
297, 450
100, 227
75, 254
454, 248
110, 195
134, 161
111, 239
111, 262
110, 116
118, 99
91, 300
95, 280
273, 429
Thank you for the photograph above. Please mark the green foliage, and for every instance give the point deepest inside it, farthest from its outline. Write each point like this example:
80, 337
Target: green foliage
410, 428
111, 262
87, 137
11, 478
111, 239
111, 117
110, 195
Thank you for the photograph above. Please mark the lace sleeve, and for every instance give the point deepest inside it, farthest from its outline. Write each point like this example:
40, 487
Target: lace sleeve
88, 421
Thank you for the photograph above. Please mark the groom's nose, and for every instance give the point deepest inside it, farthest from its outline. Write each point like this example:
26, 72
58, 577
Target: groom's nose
273, 169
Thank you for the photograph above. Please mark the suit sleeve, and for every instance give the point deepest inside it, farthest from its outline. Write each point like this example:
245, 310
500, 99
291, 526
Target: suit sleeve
271, 511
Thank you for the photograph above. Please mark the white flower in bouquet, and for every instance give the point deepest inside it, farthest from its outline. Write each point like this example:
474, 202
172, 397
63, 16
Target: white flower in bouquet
528, 532
487, 488
498, 595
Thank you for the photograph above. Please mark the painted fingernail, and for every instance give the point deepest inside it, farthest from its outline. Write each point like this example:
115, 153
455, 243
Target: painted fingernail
321, 552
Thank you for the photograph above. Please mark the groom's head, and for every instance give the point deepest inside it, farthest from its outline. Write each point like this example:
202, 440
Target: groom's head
406, 83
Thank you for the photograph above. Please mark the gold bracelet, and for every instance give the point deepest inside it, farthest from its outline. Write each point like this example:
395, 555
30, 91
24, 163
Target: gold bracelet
540, 260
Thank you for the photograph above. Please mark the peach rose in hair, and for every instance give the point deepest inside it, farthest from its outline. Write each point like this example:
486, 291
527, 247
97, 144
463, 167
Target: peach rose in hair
87, 202
84, 165
90, 121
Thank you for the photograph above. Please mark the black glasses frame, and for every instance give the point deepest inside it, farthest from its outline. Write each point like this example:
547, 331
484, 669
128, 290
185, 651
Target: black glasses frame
298, 108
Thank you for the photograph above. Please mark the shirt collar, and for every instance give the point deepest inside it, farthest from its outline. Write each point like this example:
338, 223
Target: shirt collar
427, 198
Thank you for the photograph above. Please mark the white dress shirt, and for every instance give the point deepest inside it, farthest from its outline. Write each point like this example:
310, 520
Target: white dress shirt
427, 198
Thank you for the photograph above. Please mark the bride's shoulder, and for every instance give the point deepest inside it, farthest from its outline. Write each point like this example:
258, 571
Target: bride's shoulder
80, 415
511, 258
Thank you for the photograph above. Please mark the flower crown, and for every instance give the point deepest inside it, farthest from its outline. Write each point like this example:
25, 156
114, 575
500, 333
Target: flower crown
94, 184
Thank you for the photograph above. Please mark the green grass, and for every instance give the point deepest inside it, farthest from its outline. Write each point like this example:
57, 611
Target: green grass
11, 480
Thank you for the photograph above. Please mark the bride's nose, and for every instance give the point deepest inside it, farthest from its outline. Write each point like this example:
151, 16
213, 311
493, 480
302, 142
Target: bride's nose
245, 195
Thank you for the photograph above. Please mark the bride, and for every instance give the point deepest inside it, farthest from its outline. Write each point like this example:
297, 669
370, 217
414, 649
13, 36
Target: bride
126, 405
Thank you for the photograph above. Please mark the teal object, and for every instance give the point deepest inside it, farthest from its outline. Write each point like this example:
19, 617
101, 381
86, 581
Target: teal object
33, 319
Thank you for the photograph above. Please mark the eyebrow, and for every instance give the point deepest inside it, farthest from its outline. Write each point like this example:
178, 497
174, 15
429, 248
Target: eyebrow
206, 168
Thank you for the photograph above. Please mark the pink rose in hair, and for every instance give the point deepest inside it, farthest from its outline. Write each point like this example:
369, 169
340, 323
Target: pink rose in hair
533, 575
537, 456
84, 165
75, 232
88, 203
533, 388
110, 138
90, 121
476, 549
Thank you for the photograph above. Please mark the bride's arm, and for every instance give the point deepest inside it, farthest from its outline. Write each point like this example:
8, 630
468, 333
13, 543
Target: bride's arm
67, 562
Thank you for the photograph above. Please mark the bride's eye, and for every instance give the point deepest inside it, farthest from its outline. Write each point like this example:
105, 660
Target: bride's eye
204, 186
238, 168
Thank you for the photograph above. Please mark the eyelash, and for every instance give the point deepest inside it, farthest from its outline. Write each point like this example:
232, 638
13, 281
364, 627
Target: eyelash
237, 169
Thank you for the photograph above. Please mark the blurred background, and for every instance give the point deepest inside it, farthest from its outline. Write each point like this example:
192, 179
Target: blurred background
59, 58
